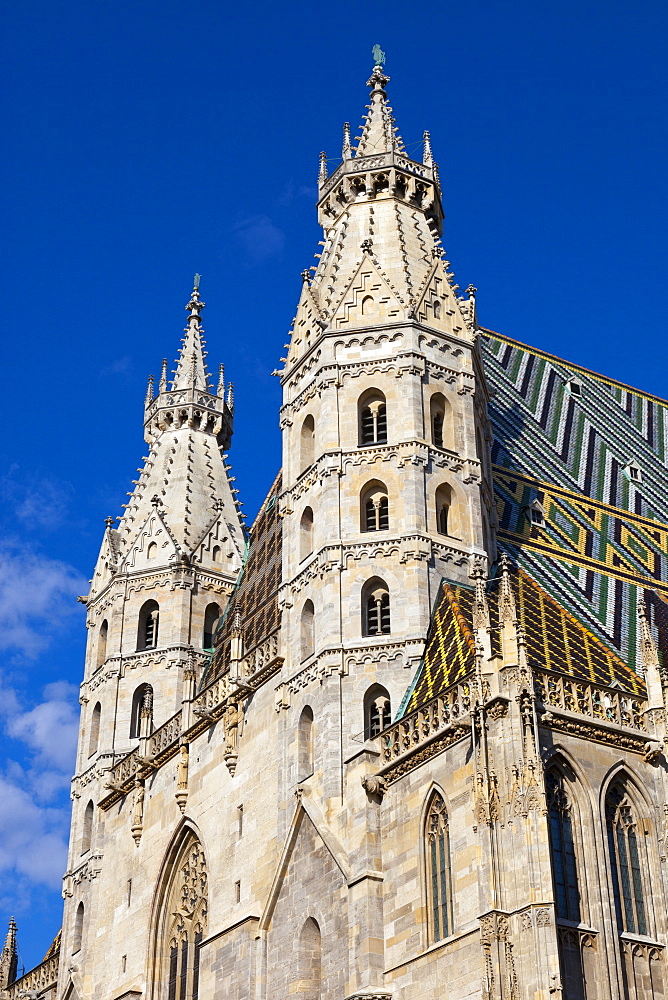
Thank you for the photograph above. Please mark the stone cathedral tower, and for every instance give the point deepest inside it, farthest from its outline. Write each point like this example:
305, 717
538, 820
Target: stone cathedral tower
406, 738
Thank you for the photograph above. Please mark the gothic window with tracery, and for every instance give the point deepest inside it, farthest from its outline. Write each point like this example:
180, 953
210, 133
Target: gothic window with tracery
186, 916
562, 847
625, 864
439, 876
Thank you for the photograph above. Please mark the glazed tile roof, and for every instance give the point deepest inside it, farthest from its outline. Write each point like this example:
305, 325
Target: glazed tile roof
255, 595
555, 641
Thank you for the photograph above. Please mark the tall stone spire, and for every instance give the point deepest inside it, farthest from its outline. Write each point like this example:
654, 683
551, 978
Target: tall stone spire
184, 483
9, 958
381, 255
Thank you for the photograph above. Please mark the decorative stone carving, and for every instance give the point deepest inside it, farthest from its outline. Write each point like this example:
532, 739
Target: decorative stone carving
138, 811
653, 750
232, 719
375, 786
182, 778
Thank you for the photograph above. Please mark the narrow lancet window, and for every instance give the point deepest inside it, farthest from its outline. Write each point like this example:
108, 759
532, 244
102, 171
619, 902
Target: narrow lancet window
372, 418
562, 848
377, 711
439, 887
625, 865
376, 608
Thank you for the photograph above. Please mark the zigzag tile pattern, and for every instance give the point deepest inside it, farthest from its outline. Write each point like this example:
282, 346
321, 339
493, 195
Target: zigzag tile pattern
605, 535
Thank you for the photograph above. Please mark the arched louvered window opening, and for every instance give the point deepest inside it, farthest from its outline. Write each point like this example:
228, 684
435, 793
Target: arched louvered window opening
77, 937
305, 744
182, 925
375, 510
307, 444
372, 411
443, 509
102, 644
562, 847
94, 735
141, 719
87, 829
439, 873
309, 962
377, 711
375, 608
307, 630
437, 411
625, 861
211, 619
147, 630
306, 534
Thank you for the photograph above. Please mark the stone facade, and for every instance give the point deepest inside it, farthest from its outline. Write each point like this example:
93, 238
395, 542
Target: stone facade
374, 757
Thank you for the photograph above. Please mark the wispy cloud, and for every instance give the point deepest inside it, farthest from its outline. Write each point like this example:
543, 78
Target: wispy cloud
120, 366
34, 812
259, 238
36, 596
38, 502
296, 192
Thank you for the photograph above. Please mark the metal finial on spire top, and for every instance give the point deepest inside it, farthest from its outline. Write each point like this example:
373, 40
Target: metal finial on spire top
378, 55
196, 281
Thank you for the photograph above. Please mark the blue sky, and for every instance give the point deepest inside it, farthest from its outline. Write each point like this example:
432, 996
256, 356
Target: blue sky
150, 140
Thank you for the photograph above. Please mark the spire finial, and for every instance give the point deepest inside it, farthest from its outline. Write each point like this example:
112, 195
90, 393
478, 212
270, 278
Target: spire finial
427, 155
346, 151
322, 169
191, 369
163, 376
378, 55
221, 381
230, 396
149, 392
380, 134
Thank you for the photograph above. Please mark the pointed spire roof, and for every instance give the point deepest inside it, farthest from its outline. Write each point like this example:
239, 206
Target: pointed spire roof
9, 957
191, 371
380, 133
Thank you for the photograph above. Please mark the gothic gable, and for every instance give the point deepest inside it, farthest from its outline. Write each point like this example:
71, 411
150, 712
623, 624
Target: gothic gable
153, 545
368, 299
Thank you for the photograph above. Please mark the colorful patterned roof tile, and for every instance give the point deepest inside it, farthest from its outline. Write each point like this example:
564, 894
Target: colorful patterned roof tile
255, 595
555, 641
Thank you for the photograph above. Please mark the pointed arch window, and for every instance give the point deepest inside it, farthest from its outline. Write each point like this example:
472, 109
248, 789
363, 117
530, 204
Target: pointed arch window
78, 929
87, 832
372, 411
310, 961
625, 863
306, 534
102, 644
94, 738
211, 617
375, 510
182, 925
562, 847
308, 630
147, 631
443, 507
307, 444
375, 608
377, 711
439, 874
305, 741
141, 719
437, 412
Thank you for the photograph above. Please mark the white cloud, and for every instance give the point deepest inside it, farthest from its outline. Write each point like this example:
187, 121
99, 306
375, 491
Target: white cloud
33, 839
37, 501
50, 728
36, 595
259, 238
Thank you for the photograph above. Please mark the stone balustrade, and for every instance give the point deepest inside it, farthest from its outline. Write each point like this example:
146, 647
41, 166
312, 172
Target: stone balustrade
38, 980
596, 701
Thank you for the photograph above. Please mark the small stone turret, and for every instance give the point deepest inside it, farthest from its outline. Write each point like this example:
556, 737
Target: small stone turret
9, 959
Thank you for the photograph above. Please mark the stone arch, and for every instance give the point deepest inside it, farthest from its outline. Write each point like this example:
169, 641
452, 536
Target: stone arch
306, 533
179, 917
307, 443
377, 710
375, 609
372, 417
441, 423
456, 517
211, 619
305, 744
309, 961
87, 827
141, 715
77, 937
307, 630
94, 735
147, 625
374, 506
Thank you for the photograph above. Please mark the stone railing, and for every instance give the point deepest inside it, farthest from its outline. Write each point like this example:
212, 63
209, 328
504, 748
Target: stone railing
212, 696
125, 769
261, 657
38, 980
164, 736
436, 716
594, 700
